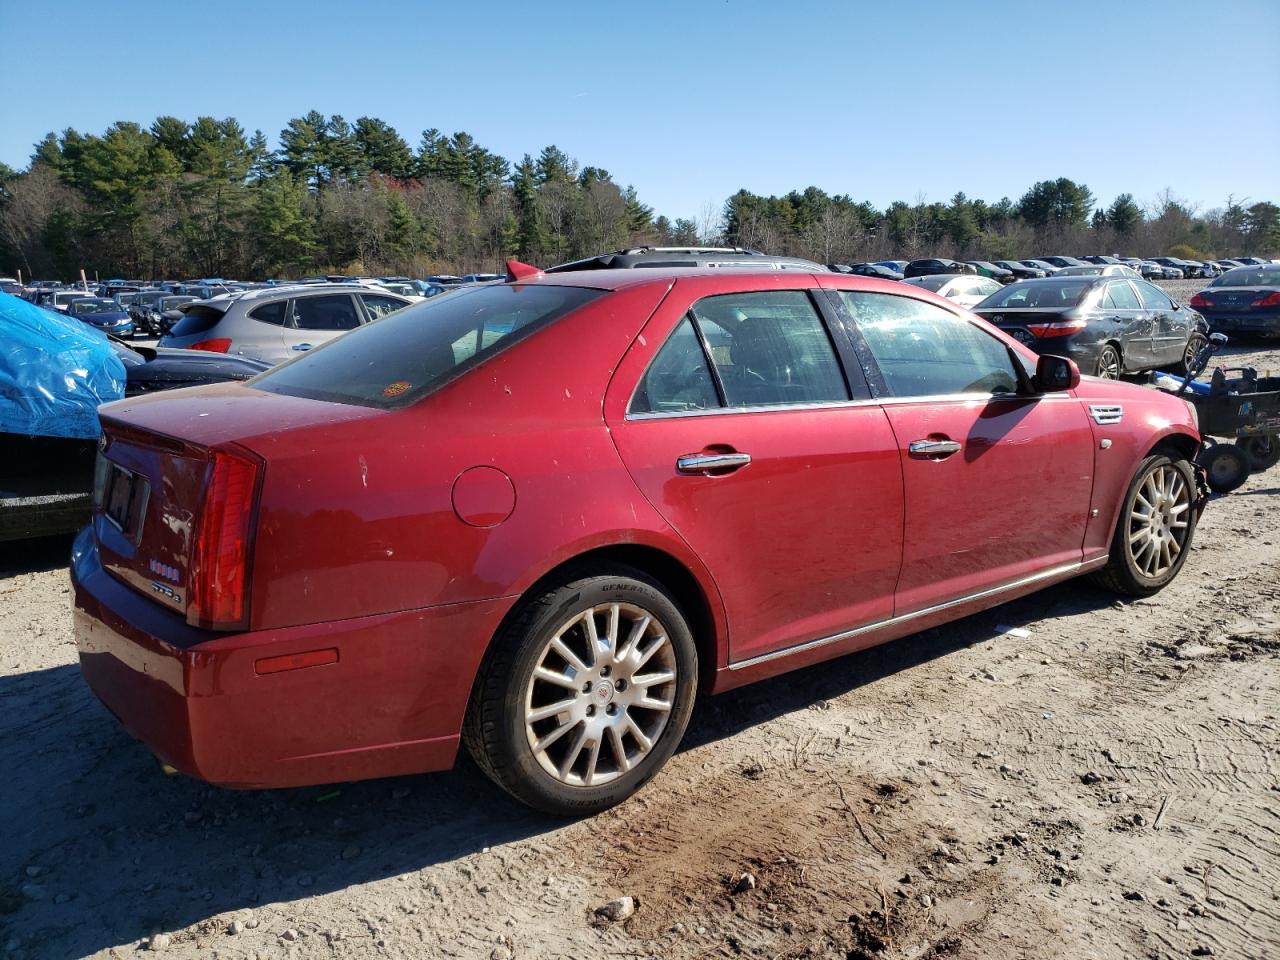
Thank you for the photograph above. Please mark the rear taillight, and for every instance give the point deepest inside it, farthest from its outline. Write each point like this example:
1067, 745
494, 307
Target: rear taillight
1057, 328
1272, 300
224, 535
214, 345
1200, 301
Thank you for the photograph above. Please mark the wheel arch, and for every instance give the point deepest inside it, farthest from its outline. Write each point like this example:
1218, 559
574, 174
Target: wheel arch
1175, 444
694, 598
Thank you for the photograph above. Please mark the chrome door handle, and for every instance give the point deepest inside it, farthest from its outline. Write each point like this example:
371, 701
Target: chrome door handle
702, 462
925, 449
301, 346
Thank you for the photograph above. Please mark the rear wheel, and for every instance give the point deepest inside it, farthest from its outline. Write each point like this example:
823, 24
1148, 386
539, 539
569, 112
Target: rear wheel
1227, 466
586, 693
1157, 523
1109, 363
1263, 452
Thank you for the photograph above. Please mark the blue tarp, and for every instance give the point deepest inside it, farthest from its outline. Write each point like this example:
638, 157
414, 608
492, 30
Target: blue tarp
54, 371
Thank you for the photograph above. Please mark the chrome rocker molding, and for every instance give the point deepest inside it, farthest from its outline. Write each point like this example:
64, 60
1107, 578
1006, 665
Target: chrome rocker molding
1069, 568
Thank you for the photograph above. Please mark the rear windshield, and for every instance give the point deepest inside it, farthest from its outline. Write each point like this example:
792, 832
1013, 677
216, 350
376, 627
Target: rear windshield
196, 320
403, 356
1249, 277
94, 306
1041, 294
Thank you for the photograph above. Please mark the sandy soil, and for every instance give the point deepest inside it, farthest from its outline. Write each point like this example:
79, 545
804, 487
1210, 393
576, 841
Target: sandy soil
1105, 787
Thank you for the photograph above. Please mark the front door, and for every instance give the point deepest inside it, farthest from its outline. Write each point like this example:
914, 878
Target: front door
997, 484
1129, 323
735, 417
1169, 324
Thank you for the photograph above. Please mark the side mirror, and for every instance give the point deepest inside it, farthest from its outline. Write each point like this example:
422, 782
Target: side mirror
1219, 338
1056, 373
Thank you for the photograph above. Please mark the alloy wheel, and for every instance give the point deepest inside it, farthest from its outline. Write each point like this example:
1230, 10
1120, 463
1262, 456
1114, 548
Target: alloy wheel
600, 694
1109, 364
1158, 521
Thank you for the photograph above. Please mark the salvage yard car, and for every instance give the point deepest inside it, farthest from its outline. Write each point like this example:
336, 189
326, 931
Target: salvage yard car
539, 517
1108, 325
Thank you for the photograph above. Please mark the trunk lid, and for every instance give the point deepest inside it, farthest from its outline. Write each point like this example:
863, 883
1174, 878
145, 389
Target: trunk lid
154, 464
1014, 321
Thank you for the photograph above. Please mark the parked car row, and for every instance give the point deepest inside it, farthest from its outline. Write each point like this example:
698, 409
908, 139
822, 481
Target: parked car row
1007, 271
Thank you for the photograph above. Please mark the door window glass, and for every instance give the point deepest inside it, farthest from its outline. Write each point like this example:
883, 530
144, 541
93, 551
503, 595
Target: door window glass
1120, 296
678, 379
379, 306
336, 312
1153, 298
270, 312
770, 347
923, 350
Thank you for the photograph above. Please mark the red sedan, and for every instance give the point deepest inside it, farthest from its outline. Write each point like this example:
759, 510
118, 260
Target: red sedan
539, 517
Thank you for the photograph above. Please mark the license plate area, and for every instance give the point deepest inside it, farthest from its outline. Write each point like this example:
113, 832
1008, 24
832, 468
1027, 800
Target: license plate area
121, 496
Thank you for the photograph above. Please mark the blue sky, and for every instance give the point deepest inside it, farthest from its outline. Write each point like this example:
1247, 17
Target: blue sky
691, 101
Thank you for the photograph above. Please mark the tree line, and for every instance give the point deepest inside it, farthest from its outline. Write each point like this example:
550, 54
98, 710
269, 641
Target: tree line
180, 199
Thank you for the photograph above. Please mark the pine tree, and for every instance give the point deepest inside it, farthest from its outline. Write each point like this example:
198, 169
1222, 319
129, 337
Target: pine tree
384, 150
530, 234
302, 148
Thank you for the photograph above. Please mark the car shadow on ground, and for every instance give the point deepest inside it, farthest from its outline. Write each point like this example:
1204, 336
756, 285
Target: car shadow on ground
103, 849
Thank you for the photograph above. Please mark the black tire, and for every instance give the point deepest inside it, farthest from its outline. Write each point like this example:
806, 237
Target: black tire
495, 729
1226, 465
1263, 452
1195, 343
1124, 573
1110, 365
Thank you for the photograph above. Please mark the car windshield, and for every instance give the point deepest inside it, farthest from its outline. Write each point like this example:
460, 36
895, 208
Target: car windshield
405, 355
95, 306
1249, 277
1040, 294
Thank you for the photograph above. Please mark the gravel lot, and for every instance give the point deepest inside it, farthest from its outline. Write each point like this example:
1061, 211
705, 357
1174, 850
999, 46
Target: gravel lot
1103, 787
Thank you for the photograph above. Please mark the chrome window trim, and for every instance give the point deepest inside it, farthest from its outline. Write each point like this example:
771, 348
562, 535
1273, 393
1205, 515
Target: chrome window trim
840, 405
1079, 566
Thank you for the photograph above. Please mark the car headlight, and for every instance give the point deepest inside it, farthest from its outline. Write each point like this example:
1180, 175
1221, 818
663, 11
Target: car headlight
1195, 414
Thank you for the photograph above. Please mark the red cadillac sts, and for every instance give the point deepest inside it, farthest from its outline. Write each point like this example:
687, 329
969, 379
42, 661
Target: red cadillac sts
540, 517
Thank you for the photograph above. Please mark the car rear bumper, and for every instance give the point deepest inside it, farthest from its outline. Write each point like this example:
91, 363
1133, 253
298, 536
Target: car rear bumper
391, 703
1253, 322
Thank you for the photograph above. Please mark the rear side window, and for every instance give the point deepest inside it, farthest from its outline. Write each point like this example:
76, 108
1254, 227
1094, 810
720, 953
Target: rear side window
335, 312
678, 379
196, 320
409, 353
379, 306
270, 313
770, 348
1120, 296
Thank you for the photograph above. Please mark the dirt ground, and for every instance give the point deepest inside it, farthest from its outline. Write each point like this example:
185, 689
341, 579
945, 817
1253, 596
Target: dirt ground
1104, 787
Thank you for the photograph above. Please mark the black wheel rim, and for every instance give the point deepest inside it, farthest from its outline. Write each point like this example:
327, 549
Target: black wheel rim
1109, 365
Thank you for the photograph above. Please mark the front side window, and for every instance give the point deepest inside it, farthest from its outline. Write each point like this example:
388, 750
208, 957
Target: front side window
923, 350
1153, 298
770, 347
409, 353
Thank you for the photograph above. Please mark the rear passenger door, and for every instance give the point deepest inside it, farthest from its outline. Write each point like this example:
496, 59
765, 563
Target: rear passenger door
1128, 322
734, 415
314, 320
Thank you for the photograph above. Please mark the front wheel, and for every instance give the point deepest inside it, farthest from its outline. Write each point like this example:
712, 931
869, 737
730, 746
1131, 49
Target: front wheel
585, 694
1195, 343
1157, 523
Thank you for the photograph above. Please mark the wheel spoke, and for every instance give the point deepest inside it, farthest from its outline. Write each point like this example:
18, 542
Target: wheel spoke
569, 657
614, 614
553, 736
619, 751
658, 706
1139, 534
633, 641
638, 735
550, 710
593, 758
571, 755
593, 638
653, 679
559, 679
658, 642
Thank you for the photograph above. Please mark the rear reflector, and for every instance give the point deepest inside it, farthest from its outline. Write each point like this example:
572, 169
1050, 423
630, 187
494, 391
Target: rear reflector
295, 661
1057, 328
214, 345
220, 568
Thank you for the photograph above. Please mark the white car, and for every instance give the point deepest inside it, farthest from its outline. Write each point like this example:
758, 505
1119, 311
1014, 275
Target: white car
968, 291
